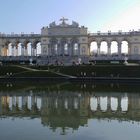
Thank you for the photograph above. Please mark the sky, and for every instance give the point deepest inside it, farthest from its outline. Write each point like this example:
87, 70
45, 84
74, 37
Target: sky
98, 15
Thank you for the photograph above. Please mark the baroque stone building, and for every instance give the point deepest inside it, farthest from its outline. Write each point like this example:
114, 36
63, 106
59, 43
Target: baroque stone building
69, 42
64, 39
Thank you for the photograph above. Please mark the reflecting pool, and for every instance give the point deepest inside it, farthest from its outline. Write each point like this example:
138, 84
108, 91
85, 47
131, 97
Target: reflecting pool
57, 111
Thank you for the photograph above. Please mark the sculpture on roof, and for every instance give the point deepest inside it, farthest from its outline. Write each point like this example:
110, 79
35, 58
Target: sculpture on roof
53, 24
63, 21
64, 24
75, 24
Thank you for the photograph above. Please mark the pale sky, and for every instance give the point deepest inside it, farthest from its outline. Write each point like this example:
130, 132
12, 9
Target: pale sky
98, 15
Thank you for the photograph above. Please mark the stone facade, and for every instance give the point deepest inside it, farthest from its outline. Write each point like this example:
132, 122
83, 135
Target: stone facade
64, 39
70, 40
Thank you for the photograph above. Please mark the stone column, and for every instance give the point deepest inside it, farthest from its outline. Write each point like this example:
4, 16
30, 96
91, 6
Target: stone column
78, 49
58, 49
26, 51
32, 50
109, 49
129, 49
69, 49
98, 48
22, 50
1, 48
72, 51
5, 51
13, 50
62, 49
119, 48
52, 49
49, 51
16, 50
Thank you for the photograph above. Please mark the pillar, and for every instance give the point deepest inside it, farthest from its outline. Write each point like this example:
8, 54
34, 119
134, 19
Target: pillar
58, 49
49, 49
78, 49
13, 50
16, 50
69, 49
119, 48
22, 50
62, 49
33, 52
129, 49
1, 47
109, 49
26, 51
5, 51
98, 48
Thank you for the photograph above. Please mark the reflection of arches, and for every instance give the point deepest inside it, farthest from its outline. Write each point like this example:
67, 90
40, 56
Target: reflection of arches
124, 47
93, 47
103, 103
114, 47
103, 47
114, 104
93, 104
124, 104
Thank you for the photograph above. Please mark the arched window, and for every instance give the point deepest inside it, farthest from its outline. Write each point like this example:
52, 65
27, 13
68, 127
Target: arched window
114, 47
66, 49
93, 48
124, 47
103, 47
75, 48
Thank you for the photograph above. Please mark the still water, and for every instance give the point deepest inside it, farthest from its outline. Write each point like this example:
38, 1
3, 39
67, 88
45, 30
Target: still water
65, 111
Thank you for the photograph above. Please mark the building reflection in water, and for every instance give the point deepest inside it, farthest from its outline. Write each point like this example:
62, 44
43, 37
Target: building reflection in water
67, 109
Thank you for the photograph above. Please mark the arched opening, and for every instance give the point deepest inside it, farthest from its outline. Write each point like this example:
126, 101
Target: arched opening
93, 104
103, 47
66, 49
38, 49
114, 104
114, 47
93, 48
29, 47
56, 49
9, 49
124, 47
124, 104
19, 49
75, 48
103, 103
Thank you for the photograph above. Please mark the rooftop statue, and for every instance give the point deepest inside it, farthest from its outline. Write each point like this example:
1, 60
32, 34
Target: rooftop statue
75, 24
63, 21
53, 24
